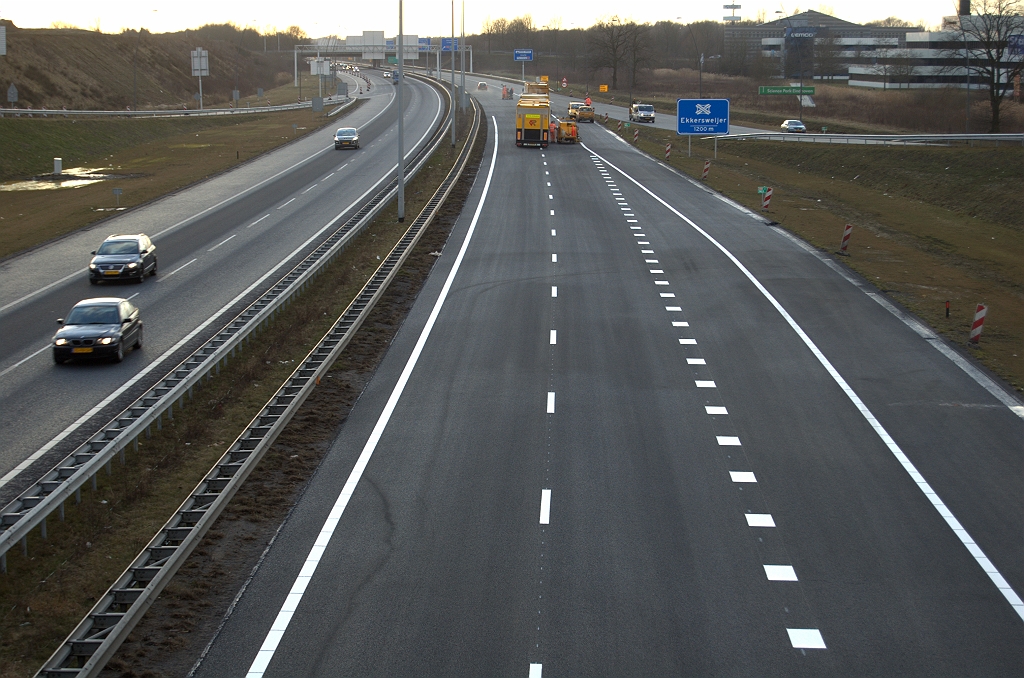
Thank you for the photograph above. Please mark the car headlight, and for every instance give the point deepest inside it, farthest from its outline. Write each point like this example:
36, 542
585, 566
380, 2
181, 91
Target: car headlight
106, 340
134, 264
92, 267
61, 342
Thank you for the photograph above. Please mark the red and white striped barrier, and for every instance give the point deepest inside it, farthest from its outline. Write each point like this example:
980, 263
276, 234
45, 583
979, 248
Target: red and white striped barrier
636, 136
846, 240
707, 168
606, 118
668, 151
618, 128
766, 198
979, 321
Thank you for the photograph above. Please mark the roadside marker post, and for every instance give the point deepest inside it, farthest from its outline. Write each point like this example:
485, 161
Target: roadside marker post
668, 151
619, 127
707, 168
636, 136
606, 118
846, 240
766, 196
979, 322
947, 308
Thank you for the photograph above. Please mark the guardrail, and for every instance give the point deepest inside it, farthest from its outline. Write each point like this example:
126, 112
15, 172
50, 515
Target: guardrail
56, 113
97, 637
881, 139
47, 495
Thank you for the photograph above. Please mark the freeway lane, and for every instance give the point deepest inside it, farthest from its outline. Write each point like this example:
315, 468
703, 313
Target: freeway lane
208, 263
614, 456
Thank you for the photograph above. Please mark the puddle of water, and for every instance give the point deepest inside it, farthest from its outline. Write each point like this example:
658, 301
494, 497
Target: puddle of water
75, 177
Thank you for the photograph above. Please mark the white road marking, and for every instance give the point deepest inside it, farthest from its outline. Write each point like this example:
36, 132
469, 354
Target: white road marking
728, 441
650, 261
554, 291
642, 242
541, 155
940, 506
549, 184
550, 197
280, 625
646, 251
809, 639
552, 233
656, 270
551, 402
24, 360
715, 409
42, 289
639, 235
546, 173
258, 221
759, 519
688, 342
545, 163
535, 670
742, 476
287, 203
660, 282
330, 175
133, 296
780, 573
696, 361
634, 228
705, 384
674, 309
554, 258
667, 295
553, 338
625, 209
168, 275
221, 243
552, 212
680, 323
310, 189
632, 221
545, 507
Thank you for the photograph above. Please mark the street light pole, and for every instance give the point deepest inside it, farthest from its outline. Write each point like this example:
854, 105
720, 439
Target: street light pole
453, 74
401, 132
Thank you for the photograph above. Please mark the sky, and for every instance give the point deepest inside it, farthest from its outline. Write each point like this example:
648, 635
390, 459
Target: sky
421, 17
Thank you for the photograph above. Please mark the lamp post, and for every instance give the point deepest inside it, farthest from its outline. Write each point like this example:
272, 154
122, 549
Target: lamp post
800, 65
453, 74
401, 131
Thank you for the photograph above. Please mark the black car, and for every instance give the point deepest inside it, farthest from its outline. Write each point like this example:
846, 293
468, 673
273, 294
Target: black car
98, 328
123, 257
346, 137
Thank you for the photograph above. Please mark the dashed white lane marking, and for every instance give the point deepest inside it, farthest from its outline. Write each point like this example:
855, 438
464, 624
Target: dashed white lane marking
549, 184
545, 163
688, 342
680, 323
25, 360
545, 507
650, 261
646, 251
634, 228
543, 155
287, 203
660, 282
639, 235
965, 538
535, 670
554, 291
552, 212
553, 338
625, 209
258, 221
631, 221
550, 197
298, 588
656, 270
310, 189
546, 173
715, 409
554, 258
642, 242
760, 519
221, 243
551, 402
728, 441
742, 476
705, 384
674, 309
332, 173
696, 361
179, 268
552, 233
809, 639
780, 573
667, 295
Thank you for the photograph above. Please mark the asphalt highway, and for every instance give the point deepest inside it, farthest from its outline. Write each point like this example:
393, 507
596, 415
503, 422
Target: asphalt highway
630, 429
220, 244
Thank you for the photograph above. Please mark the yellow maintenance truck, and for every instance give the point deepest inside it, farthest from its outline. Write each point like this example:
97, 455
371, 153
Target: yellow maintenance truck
532, 119
585, 114
574, 106
536, 88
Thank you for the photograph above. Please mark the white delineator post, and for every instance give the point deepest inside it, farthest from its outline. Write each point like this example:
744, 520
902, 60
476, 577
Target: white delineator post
619, 127
846, 240
707, 168
636, 136
668, 151
766, 198
979, 322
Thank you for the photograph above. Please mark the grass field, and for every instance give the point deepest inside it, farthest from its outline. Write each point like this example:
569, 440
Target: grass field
156, 157
931, 224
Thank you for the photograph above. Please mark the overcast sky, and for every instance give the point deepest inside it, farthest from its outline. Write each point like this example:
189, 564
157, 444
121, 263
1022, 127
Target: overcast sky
422, 17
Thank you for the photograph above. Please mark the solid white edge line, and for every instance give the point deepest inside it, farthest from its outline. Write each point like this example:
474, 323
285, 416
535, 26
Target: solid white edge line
972, 547
298, 588
545, 507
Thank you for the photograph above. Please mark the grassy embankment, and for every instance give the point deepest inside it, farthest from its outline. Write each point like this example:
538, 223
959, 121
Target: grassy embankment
156, 157
45, 595
931, 224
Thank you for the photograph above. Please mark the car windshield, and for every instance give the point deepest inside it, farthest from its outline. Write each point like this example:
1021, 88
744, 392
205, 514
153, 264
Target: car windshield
646, 109
346, 132
119, 247
93, 315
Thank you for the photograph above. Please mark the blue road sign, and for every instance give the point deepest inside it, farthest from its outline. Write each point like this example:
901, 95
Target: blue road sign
389, 44
702, 116
446, 44
522, 55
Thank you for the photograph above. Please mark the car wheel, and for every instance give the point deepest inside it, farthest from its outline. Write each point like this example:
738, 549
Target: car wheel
153, 272
57, 359
142, 276
93, 281
119, 356
138, 339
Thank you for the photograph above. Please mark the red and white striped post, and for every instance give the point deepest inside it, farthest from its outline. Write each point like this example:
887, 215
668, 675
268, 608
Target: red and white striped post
707, 168
618, 128
668, 151
979, 321
846, 240
766, 197
606, 118
636, 136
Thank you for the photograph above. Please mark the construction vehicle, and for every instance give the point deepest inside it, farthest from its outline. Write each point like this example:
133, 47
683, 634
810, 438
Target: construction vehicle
536, 88
568, 132
573, 107
585, 114
532, 119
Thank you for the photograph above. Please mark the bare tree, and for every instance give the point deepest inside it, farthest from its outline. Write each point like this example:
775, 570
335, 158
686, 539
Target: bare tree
902, 67
992, 40
639, 54
495, 30
521, 30
828, 58
608, 41
890, 22
883, 64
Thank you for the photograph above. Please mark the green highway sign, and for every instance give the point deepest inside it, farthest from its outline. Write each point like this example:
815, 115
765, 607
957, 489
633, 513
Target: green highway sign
786, 90
393, 60
762, 189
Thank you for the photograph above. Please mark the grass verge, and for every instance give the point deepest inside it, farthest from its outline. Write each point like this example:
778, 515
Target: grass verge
46, 594
154, 156
931, 224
